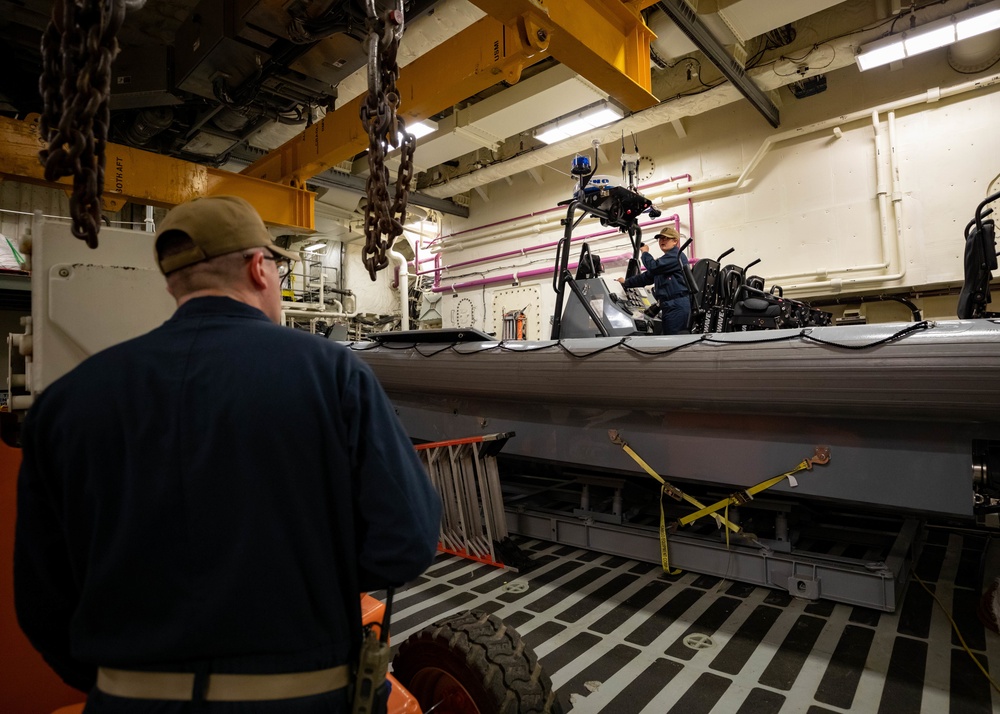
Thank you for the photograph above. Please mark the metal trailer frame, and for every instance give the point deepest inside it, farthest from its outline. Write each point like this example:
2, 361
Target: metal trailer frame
876, 584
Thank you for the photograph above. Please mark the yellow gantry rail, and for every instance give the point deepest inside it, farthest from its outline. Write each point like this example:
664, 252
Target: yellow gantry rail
156, 180
604, 41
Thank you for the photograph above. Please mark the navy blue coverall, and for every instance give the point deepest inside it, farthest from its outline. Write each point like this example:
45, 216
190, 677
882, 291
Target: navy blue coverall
669, 288
164, 525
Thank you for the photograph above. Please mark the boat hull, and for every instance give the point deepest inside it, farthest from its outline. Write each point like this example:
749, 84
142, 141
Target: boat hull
899, 405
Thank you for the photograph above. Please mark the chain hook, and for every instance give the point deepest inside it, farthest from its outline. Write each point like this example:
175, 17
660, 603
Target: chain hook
78, 47
384, 218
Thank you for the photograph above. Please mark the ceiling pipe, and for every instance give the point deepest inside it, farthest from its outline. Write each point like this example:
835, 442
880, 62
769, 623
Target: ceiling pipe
404, 287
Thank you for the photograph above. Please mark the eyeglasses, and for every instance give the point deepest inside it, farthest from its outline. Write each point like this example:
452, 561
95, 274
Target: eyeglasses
283, 264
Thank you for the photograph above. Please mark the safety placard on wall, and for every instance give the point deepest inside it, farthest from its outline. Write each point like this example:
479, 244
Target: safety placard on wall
525, 299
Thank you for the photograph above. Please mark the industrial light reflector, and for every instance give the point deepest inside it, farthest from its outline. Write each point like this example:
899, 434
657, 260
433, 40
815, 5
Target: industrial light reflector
590, 118
314, 247
971, 22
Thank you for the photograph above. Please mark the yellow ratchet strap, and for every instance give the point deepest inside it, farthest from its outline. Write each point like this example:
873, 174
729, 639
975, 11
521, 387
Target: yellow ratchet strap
821, 456
668, 488
673, 492
664, 555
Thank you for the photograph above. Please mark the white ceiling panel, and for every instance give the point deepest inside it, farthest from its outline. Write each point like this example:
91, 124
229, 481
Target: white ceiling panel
749, 18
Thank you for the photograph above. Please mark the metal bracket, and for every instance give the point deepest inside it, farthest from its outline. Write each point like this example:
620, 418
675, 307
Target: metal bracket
821, 456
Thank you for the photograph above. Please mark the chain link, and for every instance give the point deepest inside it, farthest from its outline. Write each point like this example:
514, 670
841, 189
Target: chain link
384, 216
78, 47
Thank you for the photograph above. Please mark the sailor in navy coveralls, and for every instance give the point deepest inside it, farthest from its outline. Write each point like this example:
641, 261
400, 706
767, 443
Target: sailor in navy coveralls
667, 277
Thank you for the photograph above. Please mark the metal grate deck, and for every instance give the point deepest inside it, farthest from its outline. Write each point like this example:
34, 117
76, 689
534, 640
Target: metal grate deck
619, 636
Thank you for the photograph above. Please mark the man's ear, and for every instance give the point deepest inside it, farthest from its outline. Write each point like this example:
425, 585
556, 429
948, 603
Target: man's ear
257, 271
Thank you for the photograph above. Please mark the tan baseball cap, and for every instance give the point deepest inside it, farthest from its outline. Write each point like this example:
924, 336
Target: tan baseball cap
668, 233
217, 225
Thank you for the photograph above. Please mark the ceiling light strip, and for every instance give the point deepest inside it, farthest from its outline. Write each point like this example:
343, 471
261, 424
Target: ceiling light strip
931, 36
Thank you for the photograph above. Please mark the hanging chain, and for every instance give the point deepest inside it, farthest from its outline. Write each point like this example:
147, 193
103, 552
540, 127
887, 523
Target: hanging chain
78, 48
384, 217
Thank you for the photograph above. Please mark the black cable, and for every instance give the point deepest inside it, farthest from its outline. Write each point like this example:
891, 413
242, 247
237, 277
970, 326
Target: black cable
657, 353
761, 341
386, 615
922, 325
624, 342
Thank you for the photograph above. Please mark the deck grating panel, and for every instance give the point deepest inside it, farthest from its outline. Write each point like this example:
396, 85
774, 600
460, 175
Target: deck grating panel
609, 632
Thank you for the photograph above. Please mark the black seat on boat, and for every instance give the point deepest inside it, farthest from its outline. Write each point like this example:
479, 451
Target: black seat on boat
980, 261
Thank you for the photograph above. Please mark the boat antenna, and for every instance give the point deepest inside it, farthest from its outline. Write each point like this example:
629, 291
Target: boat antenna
630, 162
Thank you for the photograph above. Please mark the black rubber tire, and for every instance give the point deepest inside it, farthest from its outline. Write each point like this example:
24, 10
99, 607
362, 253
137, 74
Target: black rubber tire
500, 673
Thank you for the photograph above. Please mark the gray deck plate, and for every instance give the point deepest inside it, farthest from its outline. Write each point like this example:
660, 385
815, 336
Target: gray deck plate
610, 632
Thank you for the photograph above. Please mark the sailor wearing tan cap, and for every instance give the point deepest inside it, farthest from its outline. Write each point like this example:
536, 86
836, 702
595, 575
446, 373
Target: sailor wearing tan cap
200, 507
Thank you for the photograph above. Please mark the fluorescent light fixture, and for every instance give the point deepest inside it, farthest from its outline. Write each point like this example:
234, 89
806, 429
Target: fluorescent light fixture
880, 53
962, 25
592, 117
982, 19
314, 247
422, 128
918, 42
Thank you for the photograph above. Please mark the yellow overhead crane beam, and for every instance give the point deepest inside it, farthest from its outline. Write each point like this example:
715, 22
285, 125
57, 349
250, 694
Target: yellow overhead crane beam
155, 180
604, 41
639, 5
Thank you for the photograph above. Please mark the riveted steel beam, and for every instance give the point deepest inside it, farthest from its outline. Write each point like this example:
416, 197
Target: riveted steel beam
155, 180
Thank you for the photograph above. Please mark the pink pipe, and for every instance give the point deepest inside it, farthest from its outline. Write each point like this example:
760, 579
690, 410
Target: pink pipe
510, 276
556, 208
690, 207
475, 261
496, 223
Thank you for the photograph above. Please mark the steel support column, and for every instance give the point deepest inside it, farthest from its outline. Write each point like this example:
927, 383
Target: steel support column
156, 180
